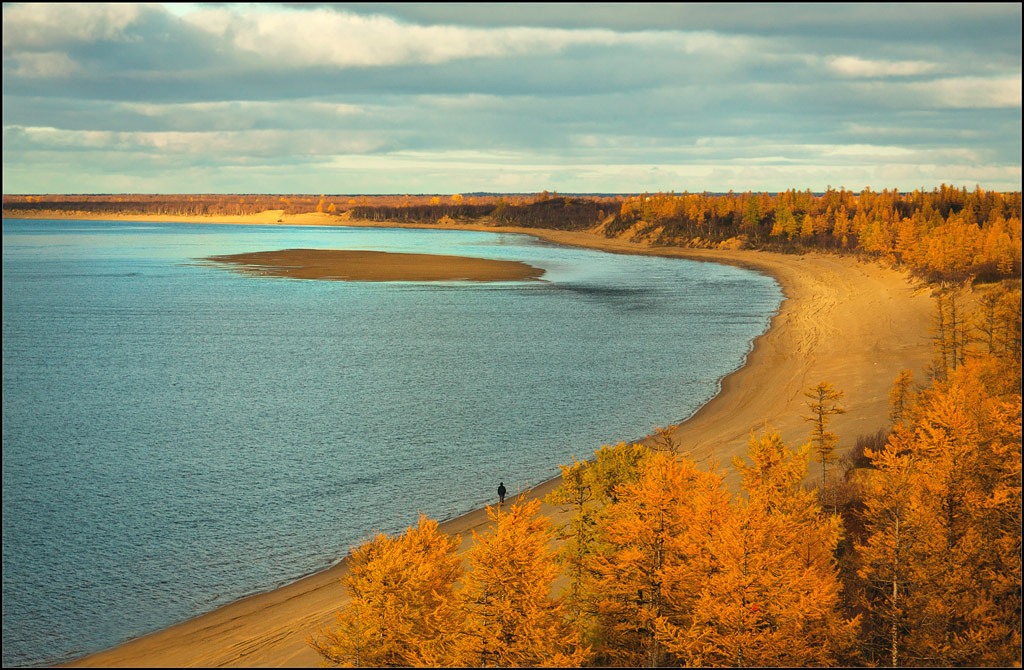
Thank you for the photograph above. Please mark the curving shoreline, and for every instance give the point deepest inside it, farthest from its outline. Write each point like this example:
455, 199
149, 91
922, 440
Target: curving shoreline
852, 323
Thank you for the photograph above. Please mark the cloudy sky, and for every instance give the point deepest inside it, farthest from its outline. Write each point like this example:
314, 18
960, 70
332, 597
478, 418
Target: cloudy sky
445, 98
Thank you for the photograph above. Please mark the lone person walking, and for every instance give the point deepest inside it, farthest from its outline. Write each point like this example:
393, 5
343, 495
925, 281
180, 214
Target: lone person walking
501, 492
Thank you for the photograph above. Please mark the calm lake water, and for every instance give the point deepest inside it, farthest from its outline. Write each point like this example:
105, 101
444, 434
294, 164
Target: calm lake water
177, 436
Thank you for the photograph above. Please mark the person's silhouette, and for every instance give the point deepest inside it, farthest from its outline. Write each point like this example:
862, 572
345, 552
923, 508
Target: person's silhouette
501, 492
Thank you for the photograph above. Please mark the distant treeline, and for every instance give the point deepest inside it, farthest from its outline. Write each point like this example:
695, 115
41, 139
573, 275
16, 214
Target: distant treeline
946, 234
174, 205
560, 213
214, 204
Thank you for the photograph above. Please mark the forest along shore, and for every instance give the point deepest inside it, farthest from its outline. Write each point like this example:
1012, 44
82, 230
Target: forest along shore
852, 323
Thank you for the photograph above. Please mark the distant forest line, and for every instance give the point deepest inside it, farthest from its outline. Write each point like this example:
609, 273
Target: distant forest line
946, 234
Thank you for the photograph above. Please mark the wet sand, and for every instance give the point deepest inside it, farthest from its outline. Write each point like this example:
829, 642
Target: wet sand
346, 265
853, 323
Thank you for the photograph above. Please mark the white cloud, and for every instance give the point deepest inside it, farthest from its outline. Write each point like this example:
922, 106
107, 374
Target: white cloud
340, 39
948, 93
45, 26
526, 172
43, 65
237, 107
852, 66
898, 131
972, 93
216, 145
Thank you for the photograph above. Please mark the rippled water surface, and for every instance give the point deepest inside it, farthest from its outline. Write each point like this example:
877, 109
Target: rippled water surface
177, 435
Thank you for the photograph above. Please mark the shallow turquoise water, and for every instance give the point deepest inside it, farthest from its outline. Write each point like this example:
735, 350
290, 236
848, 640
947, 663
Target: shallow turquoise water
177, 436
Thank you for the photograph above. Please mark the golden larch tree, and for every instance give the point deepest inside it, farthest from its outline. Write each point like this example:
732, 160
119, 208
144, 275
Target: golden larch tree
940, 562
510, 618
901, 396
653, 558
577, 537
824, 403
614, 467
402, 609
773, 598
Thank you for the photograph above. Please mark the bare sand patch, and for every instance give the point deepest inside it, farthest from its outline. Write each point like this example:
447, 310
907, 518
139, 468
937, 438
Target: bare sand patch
356, 265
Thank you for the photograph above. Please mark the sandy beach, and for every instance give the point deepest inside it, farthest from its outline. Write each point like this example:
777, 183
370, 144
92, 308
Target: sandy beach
852, 323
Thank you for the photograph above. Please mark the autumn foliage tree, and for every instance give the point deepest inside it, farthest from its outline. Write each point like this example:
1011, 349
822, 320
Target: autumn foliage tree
901, 396
772, 597
951, 332
997, 320
653, 558
509, 615
940, 561
403, 609
614, 467
824, 403
578, 539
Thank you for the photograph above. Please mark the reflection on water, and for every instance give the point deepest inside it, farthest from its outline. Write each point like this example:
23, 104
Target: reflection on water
176, 437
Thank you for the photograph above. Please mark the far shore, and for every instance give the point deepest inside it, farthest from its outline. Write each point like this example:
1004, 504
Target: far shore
849, 322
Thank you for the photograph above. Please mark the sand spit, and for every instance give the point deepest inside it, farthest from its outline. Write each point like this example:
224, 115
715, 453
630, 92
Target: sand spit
346, 265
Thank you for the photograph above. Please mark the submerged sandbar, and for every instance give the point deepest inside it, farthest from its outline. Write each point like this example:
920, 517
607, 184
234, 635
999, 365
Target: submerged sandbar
354, 265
